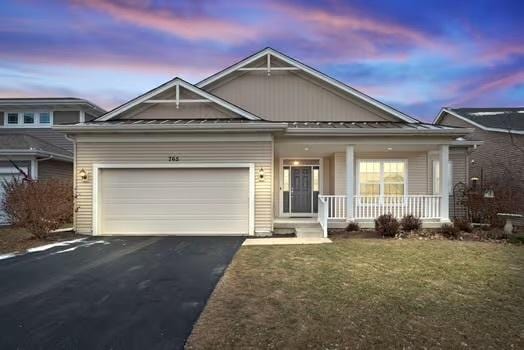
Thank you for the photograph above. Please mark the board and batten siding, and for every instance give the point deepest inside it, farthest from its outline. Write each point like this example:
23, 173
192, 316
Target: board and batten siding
258, 152
292, 96
417, 181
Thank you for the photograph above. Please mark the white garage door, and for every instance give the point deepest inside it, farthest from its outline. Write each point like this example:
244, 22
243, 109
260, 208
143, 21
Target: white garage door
7, 174
174, 201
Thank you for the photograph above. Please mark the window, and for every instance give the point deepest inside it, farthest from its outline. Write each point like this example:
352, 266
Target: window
436, 177
316, 182
382, 178
45, 118
29, 118
12, 118
286, 179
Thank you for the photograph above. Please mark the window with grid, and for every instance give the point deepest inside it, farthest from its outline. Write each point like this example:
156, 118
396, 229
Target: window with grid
382, 178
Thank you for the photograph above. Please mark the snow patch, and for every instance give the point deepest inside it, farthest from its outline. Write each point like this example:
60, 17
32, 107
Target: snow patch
7, 256
88, 244
52, 245
486, 113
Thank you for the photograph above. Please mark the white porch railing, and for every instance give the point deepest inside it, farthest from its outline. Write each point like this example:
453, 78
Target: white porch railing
323, 215
370, 207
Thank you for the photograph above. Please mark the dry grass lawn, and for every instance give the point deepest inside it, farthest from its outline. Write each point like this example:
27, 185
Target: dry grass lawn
368, 293
18, 239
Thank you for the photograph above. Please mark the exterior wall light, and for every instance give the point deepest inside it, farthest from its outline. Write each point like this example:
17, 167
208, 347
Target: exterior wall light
83, 175
261, 174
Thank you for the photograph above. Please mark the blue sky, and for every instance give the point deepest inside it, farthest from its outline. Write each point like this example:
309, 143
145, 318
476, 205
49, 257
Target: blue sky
414, 55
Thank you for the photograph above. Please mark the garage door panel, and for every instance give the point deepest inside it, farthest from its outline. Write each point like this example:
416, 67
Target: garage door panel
174, 201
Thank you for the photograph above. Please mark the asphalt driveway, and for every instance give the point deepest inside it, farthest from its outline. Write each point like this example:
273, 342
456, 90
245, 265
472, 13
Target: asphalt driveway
110, 292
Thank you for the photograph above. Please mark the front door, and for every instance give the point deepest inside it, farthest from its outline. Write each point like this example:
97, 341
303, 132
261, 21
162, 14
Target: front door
301, 190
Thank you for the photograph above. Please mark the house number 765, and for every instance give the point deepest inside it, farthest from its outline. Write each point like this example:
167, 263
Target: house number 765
174, 158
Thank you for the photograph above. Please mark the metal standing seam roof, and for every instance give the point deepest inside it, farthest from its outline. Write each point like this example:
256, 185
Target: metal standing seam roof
290, 124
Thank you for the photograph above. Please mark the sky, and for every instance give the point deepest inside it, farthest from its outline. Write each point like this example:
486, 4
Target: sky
416, 56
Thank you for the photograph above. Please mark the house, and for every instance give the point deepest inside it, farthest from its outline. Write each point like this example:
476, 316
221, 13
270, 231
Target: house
500, 157
29, 147
265, 144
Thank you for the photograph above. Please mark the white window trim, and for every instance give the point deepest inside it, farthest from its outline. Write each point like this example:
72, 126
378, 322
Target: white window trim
96, 194
381, 183
21, 123
435, 184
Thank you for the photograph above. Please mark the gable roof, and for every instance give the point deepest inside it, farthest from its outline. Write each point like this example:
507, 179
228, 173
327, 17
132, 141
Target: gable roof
311, 71
176, 83
509, 120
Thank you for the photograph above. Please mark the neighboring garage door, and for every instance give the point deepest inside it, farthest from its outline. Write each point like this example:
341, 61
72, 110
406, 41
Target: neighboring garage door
196, 201
7, 174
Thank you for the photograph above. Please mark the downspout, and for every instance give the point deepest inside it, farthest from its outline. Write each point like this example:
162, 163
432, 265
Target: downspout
75, 191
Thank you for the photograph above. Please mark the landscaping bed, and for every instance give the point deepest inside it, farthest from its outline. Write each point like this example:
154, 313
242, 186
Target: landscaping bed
368, 293
19, 239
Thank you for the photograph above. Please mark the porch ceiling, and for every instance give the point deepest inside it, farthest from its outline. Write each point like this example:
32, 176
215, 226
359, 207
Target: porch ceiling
305, 149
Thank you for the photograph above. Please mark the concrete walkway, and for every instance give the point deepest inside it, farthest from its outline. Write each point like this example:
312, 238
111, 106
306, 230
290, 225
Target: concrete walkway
285, 241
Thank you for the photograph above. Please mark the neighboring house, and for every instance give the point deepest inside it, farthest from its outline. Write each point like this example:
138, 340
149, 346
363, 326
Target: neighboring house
500, 158
29, 147
265, 144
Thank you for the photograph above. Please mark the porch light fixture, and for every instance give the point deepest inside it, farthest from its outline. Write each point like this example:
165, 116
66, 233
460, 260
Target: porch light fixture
83, 175
261, 174
306, 149
389, 149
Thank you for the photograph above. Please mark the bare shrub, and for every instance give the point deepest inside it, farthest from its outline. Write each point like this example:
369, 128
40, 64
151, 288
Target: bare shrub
38, 206
449, 231
463, 225
387, 225
506, 198
410, 223
352, 227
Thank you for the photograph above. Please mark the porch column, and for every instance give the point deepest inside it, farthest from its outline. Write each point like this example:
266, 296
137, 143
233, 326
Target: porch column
444, 183
350, 182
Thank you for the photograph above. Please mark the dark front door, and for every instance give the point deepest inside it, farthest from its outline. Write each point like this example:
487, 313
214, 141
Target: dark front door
301, 190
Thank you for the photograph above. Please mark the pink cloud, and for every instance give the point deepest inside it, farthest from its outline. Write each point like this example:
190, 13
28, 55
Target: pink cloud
351, 21
190, 28
490, 86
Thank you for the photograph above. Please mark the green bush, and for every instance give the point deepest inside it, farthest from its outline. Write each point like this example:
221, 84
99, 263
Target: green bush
387, 225
352, 227
410, 223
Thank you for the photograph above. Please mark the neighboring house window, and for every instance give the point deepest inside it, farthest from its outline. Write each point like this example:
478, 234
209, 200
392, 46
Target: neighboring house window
28, 119
436, 177
12, 118
45, 118
382, 178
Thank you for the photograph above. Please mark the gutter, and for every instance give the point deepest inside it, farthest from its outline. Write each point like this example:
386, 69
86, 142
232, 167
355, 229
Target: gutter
171, 128
35, 153
376, 132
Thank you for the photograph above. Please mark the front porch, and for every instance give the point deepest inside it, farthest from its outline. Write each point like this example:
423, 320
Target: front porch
334, 183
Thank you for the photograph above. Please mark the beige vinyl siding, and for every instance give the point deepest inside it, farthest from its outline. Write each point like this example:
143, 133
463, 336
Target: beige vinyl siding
55, 169
292, 96
417, 181
258, 152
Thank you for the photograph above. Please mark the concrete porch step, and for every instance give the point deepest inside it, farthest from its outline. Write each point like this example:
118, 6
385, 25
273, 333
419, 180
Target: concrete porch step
309, 232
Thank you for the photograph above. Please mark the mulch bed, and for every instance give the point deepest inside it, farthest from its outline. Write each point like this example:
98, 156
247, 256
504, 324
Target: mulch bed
18, 240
